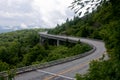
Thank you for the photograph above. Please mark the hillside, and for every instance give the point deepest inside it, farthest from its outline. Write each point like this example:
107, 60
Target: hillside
14, 45
104, 23
87, 26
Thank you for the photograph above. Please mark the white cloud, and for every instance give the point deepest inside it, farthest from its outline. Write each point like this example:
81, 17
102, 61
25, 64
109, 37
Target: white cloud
36, 26
23, 26
52, 10
44, 13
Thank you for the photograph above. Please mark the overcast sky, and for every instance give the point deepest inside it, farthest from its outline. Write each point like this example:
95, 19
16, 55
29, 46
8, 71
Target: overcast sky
40, 13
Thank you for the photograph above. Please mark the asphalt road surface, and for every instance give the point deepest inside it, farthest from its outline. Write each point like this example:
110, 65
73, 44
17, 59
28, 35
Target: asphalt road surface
66, 71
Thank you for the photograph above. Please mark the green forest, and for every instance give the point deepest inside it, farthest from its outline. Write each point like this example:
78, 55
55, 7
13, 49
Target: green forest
104, 24
23, 48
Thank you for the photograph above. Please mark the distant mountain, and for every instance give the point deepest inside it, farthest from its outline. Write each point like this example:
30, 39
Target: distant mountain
4, 29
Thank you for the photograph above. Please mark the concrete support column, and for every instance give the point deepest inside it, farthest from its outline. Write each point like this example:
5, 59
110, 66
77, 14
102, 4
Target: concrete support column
58, 42
42, 39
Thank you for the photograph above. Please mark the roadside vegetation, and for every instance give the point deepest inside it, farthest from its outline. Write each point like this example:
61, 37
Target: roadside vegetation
23, 48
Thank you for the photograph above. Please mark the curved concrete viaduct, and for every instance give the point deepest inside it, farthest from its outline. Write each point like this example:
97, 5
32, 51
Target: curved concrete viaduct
65, 71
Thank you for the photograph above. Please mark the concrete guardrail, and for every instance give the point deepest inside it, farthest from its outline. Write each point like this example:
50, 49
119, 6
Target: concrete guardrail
48, 64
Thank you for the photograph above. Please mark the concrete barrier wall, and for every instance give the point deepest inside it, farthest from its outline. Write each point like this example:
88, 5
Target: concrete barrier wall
48, 64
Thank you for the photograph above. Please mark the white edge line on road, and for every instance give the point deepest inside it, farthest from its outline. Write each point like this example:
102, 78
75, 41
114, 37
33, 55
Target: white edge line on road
56, 74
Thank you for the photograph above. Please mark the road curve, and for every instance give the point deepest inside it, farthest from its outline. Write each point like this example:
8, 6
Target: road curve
66, 71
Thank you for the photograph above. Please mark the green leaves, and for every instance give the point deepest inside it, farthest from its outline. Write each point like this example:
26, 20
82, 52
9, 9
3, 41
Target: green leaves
14, 45
3, 66
79, 49
57, 53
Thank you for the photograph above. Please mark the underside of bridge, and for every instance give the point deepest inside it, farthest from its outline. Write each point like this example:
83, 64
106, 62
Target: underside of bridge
56, 42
